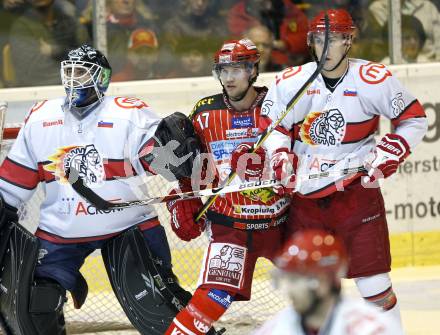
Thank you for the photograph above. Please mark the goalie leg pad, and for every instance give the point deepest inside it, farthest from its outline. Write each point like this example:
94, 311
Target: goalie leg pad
142, 288
46, 306
18, 295
205, 307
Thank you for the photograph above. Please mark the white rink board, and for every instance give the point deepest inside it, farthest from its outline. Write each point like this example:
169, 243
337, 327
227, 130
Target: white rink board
412, 196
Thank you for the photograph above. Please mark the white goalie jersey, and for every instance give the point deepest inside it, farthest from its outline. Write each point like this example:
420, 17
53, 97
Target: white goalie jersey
104, 147
335, 130
349, 317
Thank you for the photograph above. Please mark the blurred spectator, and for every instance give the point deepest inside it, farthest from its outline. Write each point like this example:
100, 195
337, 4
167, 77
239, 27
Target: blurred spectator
9, 12
39, 39
288, 25
371, 39
263, 39
413, 40
142, 57
193, 58
123, 19
198, 19
426, 12
195, 32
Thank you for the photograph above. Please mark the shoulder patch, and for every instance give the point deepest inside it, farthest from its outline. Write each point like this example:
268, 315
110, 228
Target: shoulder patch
34, 108
374, 73
208, 103
287, 73
128, 103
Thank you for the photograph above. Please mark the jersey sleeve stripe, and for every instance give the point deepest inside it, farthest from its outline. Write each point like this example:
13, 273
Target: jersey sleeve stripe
413, 110
19, 175
118, 168
357, 131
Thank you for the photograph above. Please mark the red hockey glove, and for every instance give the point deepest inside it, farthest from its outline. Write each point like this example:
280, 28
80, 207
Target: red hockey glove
390, 152
247, 165
284, 164
183, 213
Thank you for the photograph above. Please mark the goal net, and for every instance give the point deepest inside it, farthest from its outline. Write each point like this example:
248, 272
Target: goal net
102, 311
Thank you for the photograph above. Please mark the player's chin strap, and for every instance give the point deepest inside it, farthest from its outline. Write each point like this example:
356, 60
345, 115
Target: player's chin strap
289, 107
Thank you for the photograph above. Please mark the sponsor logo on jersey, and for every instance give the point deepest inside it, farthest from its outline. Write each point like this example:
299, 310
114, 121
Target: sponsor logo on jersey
225, 264
87, 209
200, 326
261, 194
202, 102
314, 91
242, 122
220, 297
261, 209
243, 132
321, 164
85, 159
103, 124
323, 128
52, 123
223, 149
350, 92
374, 73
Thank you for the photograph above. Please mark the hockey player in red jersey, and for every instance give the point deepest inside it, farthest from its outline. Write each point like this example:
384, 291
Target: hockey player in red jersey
101, 137
243, 225
309, 271
333, 126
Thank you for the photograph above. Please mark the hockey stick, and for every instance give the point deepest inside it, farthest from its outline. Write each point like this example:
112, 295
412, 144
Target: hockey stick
84, 191
78, 185
289, 107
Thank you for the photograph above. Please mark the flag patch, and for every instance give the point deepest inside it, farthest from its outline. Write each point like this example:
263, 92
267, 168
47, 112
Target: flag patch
350, 92
102, 124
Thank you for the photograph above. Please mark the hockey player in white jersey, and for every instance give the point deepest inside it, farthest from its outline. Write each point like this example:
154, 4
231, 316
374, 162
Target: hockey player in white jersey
309, 272
332, 126
102, 138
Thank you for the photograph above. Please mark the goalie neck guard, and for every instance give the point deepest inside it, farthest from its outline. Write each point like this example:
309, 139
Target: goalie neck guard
85, 75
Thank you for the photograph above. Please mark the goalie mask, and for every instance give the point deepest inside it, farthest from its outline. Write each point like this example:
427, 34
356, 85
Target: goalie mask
85, 75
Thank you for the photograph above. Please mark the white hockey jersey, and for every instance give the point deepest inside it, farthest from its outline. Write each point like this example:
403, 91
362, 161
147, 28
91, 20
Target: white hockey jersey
103, 147
349, 317
335, 130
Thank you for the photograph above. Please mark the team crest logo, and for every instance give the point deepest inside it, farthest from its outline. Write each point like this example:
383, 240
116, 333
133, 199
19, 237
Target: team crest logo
323, 128
85, 159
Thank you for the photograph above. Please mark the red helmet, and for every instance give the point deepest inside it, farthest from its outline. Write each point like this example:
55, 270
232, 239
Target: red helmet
340, 21
314, 252
237, 51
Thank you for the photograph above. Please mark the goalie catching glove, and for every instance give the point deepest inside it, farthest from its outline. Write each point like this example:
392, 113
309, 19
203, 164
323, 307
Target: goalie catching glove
284, 164
247, 164
390, 152
183, 213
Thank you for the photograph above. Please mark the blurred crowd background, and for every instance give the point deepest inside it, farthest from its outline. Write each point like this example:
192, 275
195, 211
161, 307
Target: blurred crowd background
152, 39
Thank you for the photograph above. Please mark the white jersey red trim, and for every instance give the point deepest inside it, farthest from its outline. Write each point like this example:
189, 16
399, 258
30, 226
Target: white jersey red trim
335, 130
103, 146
